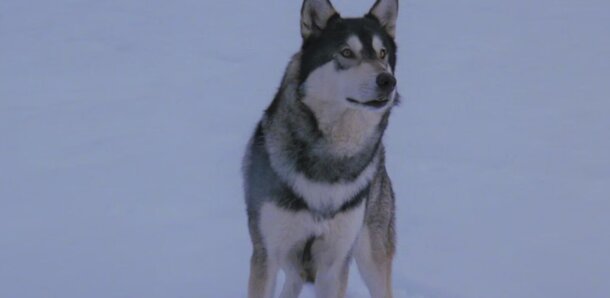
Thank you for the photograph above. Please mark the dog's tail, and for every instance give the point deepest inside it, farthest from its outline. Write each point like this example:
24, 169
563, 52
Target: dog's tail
309, 272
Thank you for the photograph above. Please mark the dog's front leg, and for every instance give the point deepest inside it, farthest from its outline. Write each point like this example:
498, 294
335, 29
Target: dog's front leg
331, 280
263, 272
374, 259
294, 282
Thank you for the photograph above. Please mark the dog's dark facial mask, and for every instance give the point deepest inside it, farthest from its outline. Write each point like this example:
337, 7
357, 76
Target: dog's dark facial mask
348, 61
319, 50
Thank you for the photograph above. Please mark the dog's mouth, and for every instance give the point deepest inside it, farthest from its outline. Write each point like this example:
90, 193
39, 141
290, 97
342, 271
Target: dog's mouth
375, 103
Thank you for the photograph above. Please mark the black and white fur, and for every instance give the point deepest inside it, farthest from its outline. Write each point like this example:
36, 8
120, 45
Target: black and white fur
317, 191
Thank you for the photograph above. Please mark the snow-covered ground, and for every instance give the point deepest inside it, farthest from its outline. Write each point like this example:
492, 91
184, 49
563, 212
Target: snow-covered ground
123, 122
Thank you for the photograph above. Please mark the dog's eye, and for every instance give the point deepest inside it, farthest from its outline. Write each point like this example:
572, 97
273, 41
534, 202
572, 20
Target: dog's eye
347, 53
382, 53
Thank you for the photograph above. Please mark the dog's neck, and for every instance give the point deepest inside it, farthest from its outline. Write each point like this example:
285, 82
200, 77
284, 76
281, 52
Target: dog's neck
296, 141
305, 141
346, 130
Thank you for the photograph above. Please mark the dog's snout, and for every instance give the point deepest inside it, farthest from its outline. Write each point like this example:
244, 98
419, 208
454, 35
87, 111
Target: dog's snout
386, 81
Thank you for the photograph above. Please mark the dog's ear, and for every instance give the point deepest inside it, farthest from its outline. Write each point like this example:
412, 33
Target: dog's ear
386, 11
314, 16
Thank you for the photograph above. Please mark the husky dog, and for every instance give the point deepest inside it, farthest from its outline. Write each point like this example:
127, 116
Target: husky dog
317, 191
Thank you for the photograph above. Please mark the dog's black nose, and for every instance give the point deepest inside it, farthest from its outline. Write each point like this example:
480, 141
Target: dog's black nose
386, 81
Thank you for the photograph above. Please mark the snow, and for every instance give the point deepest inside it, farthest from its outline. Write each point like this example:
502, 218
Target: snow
123, 123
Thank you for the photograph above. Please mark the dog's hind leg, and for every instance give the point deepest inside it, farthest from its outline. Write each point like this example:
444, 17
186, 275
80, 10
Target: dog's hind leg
263, 273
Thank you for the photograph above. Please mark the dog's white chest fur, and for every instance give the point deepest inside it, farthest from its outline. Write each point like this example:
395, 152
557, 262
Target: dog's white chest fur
282, 229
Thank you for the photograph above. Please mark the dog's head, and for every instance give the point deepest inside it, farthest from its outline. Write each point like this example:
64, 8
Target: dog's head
348, 62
